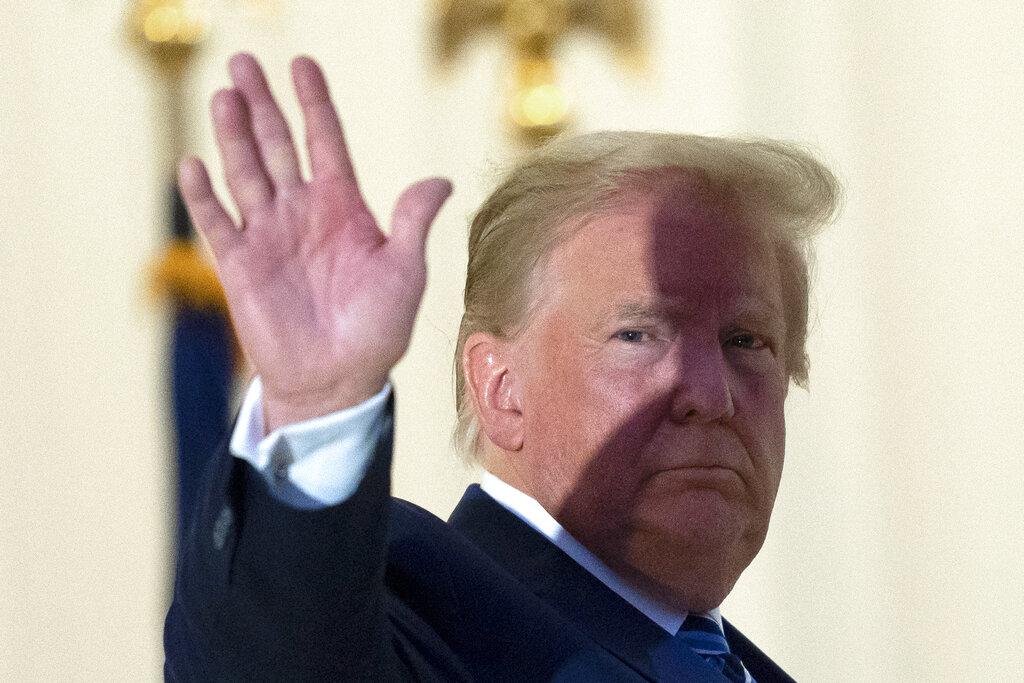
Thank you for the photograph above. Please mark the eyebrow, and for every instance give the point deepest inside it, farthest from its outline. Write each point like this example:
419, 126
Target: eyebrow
749, 307
641, 309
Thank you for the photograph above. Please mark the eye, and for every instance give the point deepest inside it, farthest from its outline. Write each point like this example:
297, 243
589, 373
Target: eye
748, 340
631, 336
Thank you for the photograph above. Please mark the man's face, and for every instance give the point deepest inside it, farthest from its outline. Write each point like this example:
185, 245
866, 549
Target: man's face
653, 388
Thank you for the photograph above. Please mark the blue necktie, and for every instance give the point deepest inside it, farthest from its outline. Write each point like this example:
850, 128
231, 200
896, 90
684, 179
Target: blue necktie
703, 635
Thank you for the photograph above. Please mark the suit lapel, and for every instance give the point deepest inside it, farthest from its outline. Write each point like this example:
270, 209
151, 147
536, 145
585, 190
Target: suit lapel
580, 597
763, 669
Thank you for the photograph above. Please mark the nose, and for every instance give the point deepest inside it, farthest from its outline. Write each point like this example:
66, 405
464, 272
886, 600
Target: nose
702, 390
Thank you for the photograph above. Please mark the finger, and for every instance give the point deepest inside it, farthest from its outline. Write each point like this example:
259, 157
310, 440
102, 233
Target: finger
247, 180
273, 137
416, 210
206, 211
328, 154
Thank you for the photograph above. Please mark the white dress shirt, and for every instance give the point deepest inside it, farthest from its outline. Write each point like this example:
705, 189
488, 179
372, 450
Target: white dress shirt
315, 463
320, 462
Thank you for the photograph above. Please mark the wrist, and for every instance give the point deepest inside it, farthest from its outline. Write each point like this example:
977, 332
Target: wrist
281, 409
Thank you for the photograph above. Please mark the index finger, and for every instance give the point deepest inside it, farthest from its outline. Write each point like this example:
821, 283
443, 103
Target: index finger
328, 154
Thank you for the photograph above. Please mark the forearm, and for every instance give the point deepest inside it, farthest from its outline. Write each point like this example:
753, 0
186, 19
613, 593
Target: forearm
267, 590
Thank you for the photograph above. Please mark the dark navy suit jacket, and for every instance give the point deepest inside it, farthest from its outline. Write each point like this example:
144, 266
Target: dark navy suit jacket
378, 589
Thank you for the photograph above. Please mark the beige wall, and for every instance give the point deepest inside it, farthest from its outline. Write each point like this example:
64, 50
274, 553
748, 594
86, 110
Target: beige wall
896, 544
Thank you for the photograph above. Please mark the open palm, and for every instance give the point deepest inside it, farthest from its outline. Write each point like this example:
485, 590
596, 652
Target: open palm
323, 301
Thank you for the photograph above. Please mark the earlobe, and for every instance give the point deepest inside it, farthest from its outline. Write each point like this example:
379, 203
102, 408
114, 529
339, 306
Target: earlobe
495, 390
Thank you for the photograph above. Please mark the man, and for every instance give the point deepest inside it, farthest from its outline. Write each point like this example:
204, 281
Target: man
636, 305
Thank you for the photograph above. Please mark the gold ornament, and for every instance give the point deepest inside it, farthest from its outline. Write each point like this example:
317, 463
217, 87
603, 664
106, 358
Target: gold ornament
538, 106
168, 32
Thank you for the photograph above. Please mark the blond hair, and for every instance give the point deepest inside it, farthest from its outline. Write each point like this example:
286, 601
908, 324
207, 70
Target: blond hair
573, 178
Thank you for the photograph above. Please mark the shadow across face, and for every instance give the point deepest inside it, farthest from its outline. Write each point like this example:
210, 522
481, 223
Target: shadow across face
654, 381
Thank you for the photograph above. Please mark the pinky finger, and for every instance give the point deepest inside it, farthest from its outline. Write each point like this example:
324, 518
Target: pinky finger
205, 209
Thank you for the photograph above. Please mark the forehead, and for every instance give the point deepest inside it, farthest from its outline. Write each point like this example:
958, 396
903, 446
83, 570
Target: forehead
681, 244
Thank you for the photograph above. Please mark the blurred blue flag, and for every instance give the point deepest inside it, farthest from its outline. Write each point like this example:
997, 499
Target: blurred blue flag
203, 357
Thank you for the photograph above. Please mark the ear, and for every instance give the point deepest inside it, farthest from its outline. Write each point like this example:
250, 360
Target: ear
495, 389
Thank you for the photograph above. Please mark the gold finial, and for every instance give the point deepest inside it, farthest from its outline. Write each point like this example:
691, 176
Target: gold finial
167, 31
538, 106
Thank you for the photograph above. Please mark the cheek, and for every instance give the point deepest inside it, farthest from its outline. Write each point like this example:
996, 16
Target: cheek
560, 381
556, 404
762, 405
588, 417
620, 403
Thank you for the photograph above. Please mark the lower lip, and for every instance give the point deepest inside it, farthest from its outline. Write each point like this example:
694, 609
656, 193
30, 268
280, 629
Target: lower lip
711, 476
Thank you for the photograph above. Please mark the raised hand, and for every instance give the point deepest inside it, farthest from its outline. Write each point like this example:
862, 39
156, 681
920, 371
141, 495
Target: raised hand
323, 301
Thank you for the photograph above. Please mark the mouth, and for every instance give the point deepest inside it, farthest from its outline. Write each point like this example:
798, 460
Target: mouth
717, 477
699, 470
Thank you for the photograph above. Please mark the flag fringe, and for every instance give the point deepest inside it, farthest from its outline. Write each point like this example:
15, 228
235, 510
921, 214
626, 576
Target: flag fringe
183, 275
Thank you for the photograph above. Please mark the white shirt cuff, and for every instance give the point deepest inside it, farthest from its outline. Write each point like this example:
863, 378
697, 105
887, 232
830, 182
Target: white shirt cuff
314, 463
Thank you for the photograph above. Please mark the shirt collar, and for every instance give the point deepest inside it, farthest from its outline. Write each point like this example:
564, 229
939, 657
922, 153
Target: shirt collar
533, 514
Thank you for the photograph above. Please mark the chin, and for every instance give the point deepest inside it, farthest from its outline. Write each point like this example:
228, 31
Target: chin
698, 598
693, 585
697, 586
698, 520
693, 566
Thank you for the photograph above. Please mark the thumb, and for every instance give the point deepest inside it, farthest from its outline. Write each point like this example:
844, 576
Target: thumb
416, 209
